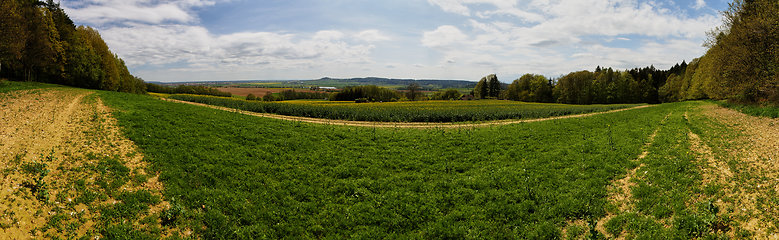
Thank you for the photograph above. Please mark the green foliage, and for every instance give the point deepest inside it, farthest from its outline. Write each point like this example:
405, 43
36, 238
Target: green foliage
370, 92
530, 88
669, 187
448, 94
493, 86
294, 95
251, 97
412, 92
113, 174
186, 89
606, 87
575, 88
125, 231
742, 63
429, 111
243, 177
488, 87
37, 172
41, 43
39, 187
10, 86
14, 36
481, 90
771, 111
132, 205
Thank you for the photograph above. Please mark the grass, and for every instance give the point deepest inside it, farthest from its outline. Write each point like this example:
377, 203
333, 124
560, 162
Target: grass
423, 111
10, 86
754, 110
239, 177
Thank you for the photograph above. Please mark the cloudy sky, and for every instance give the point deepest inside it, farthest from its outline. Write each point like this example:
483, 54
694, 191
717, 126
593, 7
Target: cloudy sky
194, 40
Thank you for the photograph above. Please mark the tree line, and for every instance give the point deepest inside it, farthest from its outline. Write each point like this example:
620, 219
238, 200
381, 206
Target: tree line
603, 86
740, 65
742, 61
39, 42
289, 95
186, 89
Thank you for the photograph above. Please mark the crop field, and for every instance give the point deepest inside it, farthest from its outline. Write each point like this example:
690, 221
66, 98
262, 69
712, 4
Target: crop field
629, 174
257, 91
422, 111
153, 169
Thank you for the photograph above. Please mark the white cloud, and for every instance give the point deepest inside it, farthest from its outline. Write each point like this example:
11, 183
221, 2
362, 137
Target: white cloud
559, 36
372, 35
699, 4
153, 34
443, 36
145, 11
195, 46
452, 6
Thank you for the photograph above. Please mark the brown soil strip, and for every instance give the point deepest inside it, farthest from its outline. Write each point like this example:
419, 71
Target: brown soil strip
751, 179
620, 194
33, 125
60, 127
399, 124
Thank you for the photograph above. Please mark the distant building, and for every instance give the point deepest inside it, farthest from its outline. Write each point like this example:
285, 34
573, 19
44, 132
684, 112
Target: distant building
328, 88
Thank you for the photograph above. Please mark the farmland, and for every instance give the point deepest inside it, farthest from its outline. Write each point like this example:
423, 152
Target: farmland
256, 91
680, 170
426, 111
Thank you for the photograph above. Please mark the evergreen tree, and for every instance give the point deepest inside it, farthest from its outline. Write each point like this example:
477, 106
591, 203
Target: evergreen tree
493, 86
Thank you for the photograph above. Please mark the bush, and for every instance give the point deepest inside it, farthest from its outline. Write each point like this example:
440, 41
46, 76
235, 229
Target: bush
251, 97
448, 94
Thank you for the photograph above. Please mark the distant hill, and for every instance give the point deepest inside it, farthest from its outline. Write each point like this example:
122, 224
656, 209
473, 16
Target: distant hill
393, 83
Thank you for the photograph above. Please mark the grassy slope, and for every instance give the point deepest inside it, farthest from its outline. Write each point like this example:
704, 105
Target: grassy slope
754, 110
10, 86
242, 176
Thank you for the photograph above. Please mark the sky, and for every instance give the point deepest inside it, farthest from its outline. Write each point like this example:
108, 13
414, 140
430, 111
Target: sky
211, 40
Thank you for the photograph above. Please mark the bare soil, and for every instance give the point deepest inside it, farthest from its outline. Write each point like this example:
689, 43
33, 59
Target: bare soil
61, 128
747, 168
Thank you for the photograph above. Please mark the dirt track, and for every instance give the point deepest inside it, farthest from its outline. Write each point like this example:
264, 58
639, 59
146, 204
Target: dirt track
399, 124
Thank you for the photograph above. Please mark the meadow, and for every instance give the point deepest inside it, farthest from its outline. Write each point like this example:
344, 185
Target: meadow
233, 176
411, 111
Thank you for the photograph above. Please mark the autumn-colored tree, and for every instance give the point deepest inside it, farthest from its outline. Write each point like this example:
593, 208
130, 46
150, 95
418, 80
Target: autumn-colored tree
14, 36
39, 42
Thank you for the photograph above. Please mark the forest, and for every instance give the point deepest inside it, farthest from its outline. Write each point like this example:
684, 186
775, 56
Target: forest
39, 42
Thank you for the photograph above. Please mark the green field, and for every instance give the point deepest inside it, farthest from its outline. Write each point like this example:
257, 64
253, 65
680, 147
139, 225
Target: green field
10, 86
233, 176
421, 111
